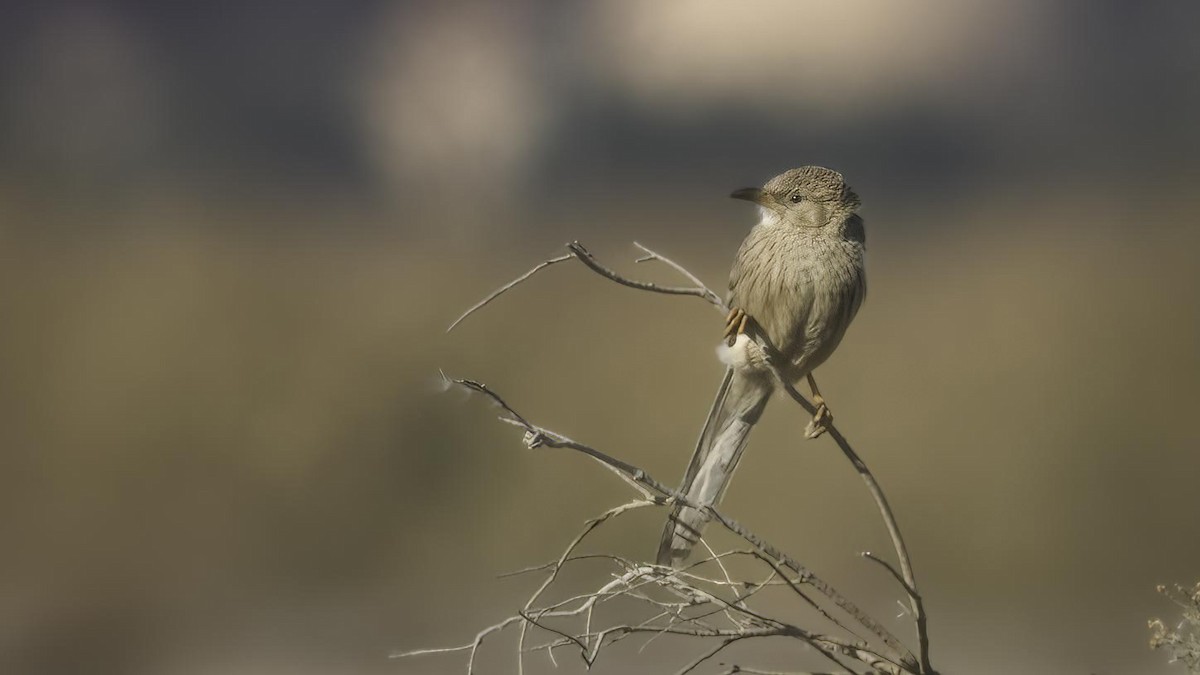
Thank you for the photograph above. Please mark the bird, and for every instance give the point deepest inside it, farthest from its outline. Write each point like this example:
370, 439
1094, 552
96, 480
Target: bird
797, 282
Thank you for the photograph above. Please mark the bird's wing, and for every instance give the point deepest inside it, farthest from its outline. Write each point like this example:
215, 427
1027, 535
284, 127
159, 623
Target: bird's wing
771, 281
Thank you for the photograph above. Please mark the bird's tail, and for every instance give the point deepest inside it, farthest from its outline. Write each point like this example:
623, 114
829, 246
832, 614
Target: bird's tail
739, 404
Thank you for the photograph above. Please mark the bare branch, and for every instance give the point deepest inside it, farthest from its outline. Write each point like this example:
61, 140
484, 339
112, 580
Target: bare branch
795, 587
889, 519
736, 669
500, 291
895, 574
708, 655
588, 528
538, 436
708, 292
693, 597
807, 577
474, 646
700, 290
577, 250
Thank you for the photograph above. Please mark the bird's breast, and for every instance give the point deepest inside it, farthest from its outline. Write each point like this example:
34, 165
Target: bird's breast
802, 291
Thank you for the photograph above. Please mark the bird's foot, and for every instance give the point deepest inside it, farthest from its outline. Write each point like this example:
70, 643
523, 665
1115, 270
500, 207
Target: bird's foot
818, 424
735, 325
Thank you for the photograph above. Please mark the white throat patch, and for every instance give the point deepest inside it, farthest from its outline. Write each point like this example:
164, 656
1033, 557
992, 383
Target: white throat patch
767, 217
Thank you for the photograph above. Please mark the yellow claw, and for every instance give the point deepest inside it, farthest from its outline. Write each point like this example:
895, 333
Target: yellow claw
735, 324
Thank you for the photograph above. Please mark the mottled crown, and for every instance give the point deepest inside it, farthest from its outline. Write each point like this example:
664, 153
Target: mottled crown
814, 182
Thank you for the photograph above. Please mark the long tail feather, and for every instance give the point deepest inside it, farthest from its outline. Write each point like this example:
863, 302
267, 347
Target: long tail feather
739, 404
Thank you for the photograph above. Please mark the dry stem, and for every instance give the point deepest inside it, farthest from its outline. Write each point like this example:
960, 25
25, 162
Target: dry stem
689, 592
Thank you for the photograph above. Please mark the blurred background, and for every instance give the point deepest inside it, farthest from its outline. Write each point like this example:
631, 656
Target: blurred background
232, 236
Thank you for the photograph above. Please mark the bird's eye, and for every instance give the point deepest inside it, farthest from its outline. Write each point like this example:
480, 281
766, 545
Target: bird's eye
797, 198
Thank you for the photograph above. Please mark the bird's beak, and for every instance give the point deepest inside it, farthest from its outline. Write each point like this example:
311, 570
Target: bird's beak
751, 194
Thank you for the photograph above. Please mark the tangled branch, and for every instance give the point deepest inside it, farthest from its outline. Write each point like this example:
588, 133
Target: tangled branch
695, 601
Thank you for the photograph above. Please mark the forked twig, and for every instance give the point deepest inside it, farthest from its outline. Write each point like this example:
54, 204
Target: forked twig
699, 290
579, 252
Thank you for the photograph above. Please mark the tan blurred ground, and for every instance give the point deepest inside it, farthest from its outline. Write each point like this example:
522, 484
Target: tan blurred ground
221, 448
232, 236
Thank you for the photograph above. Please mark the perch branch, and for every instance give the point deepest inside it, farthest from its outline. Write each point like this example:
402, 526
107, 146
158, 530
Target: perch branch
536, 436
659, 493
909, 581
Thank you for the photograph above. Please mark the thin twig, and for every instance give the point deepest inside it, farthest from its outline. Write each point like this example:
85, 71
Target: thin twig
795, 587
721, 565
708, 292
550, 565
474, 646
585, 256
889, 520
895, 574
708, 655
536, 436
500, 291
754, 671
588, 528
577, 250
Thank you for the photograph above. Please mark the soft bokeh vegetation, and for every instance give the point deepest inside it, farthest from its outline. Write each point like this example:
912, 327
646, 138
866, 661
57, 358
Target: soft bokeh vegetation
1180, 639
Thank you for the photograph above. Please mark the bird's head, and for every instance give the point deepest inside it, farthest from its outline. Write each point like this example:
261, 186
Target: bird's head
810, 197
